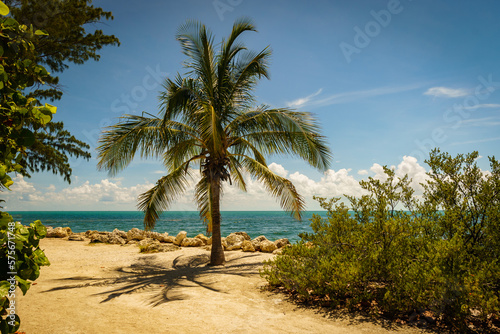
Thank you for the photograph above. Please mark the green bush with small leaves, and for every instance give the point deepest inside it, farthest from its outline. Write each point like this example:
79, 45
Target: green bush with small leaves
393, 254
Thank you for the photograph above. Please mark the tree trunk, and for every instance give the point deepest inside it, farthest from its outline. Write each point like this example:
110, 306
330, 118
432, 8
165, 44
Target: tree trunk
217, 257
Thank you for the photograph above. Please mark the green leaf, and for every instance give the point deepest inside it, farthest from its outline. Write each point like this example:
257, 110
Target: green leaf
7, 181
26, 138
23, 284
53, 109
40, 258
4, 10
4, 288
40, 229
41, 33
22, 232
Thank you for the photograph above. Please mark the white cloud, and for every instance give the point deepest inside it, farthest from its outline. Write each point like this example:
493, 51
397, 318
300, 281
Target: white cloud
486, 121
446, 92
362, 94
348, 96
112, 195
303, 101
278, 169
486, 105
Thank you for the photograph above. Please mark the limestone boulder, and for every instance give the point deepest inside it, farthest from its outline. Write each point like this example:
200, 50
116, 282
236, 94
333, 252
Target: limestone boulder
99, 237
135, 234
234, 241
150, 245
180, 236
76, 237
267, 246
244, 235
118, 233
247, 246
257, 241
202, 238
90, 232
192, 242
115, 239
280, 243
58, 232
162, 237
169, 239
147, 241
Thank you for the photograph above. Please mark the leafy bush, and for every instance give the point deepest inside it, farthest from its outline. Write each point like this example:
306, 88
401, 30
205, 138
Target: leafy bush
20, 260
395, 255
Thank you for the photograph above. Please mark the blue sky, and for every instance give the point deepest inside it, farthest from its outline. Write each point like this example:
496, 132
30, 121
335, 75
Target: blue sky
388, 80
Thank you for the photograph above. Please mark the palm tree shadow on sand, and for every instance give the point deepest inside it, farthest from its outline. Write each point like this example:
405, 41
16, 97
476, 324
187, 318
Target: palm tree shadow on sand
147, 274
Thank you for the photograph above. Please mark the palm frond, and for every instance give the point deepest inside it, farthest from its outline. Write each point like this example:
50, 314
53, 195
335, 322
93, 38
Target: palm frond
278, 186
156, 200
202, 194
150, 136
284, 131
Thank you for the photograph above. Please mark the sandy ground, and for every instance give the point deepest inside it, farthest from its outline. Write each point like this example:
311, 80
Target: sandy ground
115, 289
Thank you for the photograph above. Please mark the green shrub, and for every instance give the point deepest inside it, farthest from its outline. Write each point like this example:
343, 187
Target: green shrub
397, 255
20, 260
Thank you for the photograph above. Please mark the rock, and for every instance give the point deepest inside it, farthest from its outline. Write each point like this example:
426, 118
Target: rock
180, 236
147, 241
244, 235
209, 241
278, 251
163, 237
247, 246
154, 246
57, 232
121, 234
99, 237
170, 239
267, 246
89, 233
202, 238
234, 241
115, 239
68, 230
257, 241
280, 243
135, 234
192, 242
75, 237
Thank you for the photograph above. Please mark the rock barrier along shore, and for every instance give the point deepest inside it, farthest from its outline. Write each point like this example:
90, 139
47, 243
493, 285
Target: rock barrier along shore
150, 242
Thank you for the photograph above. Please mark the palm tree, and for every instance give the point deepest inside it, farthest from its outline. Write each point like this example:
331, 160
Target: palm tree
208, 118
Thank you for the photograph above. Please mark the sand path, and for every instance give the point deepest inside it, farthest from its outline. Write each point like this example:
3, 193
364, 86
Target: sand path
116, 289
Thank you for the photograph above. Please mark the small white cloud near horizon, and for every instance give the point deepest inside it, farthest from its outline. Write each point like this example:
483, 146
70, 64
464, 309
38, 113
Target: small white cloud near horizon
446, 92
304, 100
362, 172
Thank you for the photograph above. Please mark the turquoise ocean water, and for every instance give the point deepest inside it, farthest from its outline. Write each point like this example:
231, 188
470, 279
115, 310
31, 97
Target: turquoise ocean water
273, 224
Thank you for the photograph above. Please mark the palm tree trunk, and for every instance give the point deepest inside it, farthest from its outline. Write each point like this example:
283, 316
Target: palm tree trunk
217, 257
